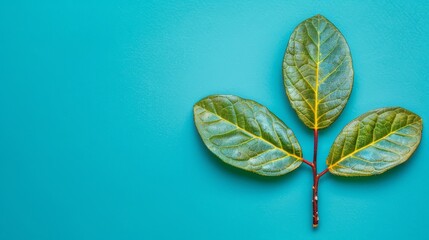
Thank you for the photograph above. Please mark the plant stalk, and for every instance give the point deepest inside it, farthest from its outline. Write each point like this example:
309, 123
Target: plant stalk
316, 178
315, 181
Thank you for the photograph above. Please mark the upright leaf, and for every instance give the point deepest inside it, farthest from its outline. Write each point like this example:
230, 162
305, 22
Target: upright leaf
318, 72
247, 135
375, 142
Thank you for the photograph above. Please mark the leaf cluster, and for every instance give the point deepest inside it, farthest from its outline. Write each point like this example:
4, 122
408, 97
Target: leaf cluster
318, 80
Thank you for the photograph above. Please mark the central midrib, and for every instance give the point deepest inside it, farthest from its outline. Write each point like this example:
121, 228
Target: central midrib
317, 77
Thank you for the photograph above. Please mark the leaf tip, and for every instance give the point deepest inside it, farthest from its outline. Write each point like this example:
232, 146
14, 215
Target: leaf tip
319, 16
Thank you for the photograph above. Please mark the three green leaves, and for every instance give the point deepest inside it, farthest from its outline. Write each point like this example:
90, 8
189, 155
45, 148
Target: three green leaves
318, 80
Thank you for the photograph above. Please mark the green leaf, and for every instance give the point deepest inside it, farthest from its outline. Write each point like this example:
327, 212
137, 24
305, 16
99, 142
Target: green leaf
318, 72
247, 135
375, 142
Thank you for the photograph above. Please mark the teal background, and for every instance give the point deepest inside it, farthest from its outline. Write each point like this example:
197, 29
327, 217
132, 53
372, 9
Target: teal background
97, 139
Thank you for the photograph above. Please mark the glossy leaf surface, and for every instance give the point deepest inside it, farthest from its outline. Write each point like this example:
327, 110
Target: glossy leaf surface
375, 142
247, 135
318, 72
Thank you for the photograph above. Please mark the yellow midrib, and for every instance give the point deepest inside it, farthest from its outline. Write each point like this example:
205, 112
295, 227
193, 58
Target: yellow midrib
255, 136
368, 145
316, 104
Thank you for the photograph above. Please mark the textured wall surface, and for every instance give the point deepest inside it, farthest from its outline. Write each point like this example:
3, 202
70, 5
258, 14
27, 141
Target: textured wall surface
97, 139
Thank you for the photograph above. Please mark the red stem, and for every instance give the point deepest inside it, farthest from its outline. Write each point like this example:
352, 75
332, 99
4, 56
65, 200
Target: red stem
322, 173
316, 178
307, 162
315, 181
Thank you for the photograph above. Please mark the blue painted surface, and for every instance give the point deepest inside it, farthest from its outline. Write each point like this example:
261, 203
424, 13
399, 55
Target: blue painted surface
96, 133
